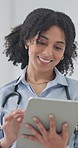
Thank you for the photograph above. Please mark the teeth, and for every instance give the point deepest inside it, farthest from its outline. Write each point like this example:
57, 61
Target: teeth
46, 61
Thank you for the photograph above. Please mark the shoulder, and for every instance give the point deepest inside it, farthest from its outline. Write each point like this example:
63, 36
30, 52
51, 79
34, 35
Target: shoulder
14, 82
4, 90
72, 82
8, 84
73, 88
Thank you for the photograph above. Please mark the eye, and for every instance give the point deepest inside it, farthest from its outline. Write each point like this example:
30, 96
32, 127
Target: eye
41, 41
58, 48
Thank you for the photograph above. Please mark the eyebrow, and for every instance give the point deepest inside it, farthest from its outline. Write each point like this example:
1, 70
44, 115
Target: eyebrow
61, 42
44, 37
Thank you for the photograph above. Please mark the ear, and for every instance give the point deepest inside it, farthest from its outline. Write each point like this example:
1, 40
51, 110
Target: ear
27, 45
62, 58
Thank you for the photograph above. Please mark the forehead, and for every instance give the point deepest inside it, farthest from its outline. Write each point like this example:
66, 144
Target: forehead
54, 32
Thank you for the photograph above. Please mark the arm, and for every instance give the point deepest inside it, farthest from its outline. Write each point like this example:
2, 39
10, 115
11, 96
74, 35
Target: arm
11, 126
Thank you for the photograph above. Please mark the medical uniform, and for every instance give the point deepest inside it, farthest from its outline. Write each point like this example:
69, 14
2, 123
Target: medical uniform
54, 89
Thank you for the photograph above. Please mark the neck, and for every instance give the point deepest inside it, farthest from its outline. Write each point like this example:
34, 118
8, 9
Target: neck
36, 83
38, 78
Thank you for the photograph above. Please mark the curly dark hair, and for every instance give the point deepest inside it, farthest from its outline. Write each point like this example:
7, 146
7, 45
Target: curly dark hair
40, 20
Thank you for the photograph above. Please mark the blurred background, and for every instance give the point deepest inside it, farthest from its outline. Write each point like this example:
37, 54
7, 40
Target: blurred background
13, 13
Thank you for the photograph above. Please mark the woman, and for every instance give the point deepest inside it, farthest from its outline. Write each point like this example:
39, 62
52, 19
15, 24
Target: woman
45, 46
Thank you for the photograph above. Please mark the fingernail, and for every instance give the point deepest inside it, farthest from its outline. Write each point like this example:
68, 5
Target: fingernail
35, 119
24, 136
27, 125
51, 116
65, 125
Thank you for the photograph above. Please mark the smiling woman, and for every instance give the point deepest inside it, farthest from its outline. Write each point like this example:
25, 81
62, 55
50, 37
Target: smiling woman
45, 46
28, 30
46, 50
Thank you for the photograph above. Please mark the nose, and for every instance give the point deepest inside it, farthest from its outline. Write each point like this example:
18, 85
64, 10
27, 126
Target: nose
48, 51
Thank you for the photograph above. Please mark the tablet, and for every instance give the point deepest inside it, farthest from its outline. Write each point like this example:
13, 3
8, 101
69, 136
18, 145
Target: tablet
63, 111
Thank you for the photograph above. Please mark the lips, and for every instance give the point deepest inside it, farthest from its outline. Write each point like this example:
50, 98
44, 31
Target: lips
46, 61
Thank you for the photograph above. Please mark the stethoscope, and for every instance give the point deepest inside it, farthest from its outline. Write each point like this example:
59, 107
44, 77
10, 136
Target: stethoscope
16, 93
5, 100
13, 93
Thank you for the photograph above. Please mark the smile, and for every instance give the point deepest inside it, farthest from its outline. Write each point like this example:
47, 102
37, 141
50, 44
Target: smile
46, 61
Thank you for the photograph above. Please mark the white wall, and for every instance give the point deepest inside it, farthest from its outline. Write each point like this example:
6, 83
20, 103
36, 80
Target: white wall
13, 12
7, 17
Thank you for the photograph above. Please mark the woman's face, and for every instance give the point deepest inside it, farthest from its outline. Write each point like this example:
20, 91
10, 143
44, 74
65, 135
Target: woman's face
48, 51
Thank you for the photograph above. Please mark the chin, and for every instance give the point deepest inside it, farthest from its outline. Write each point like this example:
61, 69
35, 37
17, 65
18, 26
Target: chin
44, 69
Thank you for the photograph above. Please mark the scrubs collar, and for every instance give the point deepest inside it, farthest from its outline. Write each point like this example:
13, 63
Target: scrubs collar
59, 79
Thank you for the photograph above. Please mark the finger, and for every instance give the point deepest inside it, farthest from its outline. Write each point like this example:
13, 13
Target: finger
65, 131
33, 131
18, 115
52, 124
31, 137
4, 125
18, 112
40, 126
14, 114
7, 117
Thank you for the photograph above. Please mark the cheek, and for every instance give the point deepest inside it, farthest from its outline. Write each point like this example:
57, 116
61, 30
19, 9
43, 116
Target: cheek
32, 53
58, 55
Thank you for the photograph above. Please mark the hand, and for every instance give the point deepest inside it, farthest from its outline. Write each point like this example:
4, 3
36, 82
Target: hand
50, 139
11, 126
